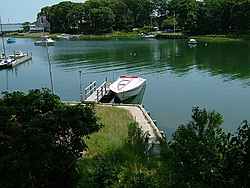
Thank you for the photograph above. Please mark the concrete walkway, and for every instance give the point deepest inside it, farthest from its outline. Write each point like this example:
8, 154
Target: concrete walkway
147, 125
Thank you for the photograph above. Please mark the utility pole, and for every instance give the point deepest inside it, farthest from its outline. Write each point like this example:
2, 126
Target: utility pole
80, 72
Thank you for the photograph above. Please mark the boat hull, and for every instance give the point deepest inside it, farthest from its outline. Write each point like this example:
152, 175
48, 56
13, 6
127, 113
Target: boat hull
11, 40
46, 41
192, 41
126, 87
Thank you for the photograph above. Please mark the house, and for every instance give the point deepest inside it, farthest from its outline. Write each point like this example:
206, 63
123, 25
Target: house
40, 25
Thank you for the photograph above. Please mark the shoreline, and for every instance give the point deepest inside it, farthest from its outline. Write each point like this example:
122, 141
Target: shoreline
132, 35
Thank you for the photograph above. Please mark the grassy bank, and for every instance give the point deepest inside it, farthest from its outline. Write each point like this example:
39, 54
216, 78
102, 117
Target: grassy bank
119, 34
113, 134
116, 154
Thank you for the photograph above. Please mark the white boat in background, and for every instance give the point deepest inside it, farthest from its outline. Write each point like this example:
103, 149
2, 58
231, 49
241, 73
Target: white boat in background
64, 36
18, 54
46, 40
192, 41
149, 35
127, 86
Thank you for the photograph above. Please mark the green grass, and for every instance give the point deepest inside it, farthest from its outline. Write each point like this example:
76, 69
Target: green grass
117, 159
113, 135
212, 38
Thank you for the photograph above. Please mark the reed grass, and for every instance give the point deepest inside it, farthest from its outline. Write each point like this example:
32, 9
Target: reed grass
116, 157
114, 133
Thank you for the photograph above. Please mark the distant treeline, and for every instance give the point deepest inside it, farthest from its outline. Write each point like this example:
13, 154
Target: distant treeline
101, 16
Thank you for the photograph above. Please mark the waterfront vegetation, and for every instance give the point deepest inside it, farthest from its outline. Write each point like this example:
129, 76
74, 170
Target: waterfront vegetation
42, 141
98, 17
116, 155
200, 155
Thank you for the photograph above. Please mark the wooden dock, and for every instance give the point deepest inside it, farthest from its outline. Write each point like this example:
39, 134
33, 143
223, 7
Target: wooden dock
20, 61
172, 36
94, 94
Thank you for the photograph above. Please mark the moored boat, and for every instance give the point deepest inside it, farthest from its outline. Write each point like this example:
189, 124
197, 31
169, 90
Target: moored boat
18, 54
149, 35
127, 86
8, 62
46, 40
11, 40
64, 36
192, 41
3, 63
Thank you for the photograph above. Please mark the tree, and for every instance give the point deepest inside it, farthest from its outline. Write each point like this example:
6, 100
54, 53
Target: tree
26, 26
140, 11
122, 14
102, 18
59, 15
197, 149
236, 169
41, 139
203, 155
168, 23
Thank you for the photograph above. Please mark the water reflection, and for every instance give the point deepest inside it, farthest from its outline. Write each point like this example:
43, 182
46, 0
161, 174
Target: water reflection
213, 75
137, 99
192, 45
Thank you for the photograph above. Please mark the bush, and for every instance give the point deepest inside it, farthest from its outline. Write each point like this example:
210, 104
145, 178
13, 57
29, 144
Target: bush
41, 139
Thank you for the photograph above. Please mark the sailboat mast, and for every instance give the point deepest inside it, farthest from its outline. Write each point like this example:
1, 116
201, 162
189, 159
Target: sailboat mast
2, 36
50, 70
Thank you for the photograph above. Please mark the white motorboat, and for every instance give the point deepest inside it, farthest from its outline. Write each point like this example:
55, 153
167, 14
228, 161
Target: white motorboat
149, 35
127, 86
7, 62
3, 63
18, 54
46, 40
192, 41
64, 36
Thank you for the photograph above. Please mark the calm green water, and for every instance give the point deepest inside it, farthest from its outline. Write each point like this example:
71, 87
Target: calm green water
212, 75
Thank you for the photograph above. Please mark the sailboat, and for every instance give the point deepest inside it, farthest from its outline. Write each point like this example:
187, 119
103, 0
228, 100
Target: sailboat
4, 61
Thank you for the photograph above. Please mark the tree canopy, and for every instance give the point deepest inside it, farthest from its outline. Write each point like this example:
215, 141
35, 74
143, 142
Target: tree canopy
203, 155
41, 139
98, 16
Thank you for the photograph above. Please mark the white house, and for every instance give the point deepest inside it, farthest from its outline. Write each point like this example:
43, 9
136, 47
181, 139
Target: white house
40, 25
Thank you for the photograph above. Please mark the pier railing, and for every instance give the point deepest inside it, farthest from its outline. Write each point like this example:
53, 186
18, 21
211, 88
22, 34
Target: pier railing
90, 89
93, 94
102, 90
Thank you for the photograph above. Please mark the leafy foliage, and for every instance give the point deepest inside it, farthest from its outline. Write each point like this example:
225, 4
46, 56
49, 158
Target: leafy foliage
236, 169
123, 167
41, 138
203, 155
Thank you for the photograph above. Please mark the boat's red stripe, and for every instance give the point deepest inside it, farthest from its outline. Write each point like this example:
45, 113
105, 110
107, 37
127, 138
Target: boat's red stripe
124, 85
128, 76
